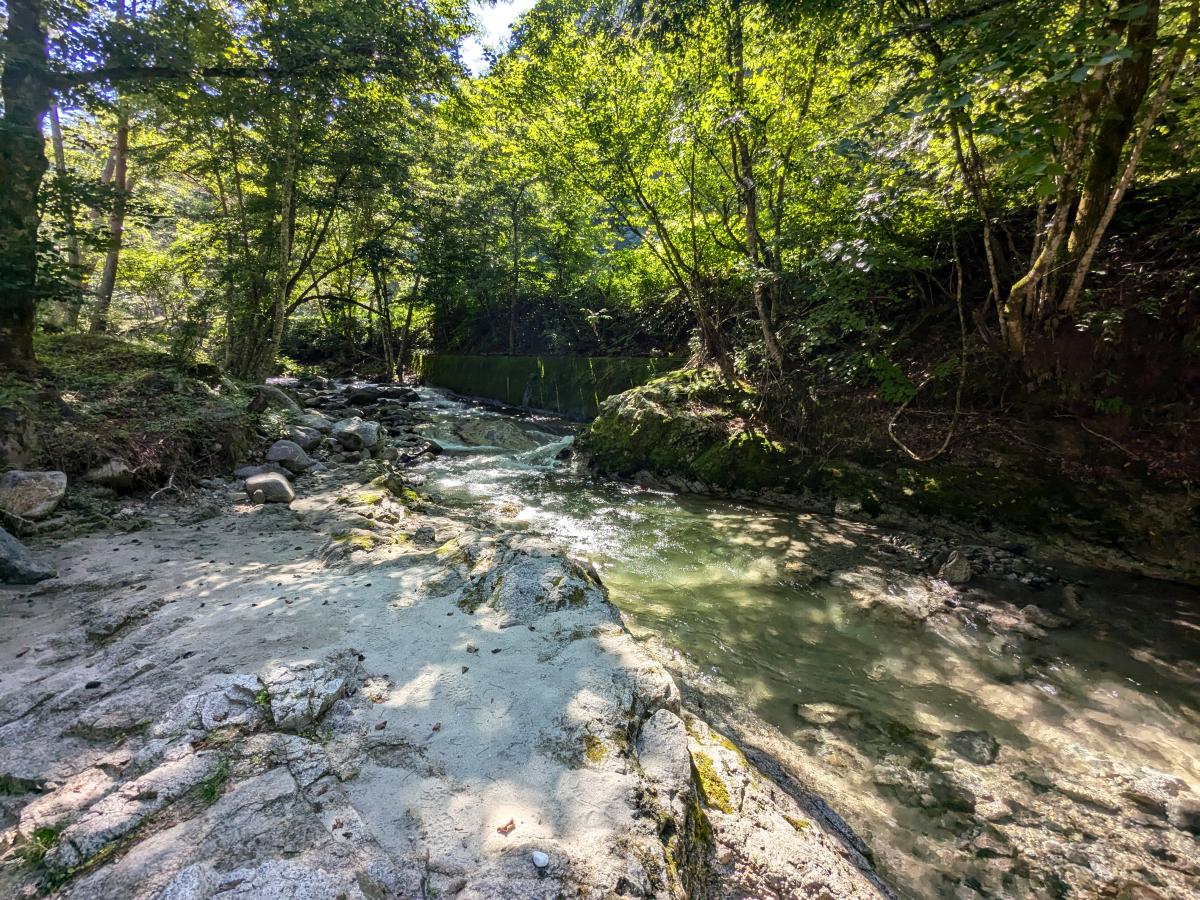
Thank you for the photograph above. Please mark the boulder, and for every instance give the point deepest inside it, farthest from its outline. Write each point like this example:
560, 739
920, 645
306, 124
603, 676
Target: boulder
399, 392
956, 569
364, 396
356, 434
290, 455
315, 421
273, 486
306, 438
116, 474
267, 396
247, 471
17, 566
32, 495
689, 427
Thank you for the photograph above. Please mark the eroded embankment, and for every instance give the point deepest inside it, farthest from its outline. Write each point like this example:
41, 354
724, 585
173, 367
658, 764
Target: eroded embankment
364, 695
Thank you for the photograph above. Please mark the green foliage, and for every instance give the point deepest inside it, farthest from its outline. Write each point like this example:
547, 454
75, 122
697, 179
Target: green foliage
714, 177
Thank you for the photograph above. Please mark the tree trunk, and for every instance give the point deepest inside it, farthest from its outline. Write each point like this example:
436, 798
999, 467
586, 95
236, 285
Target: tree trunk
26, 94
116, 226
1130, 83
405, 340
516, 275
70, 308
287, 225
747, 185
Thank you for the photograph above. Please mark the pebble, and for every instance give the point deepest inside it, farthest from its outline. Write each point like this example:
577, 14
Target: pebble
540, 859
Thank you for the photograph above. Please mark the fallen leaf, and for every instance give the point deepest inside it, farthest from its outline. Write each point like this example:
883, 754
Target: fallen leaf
507, 828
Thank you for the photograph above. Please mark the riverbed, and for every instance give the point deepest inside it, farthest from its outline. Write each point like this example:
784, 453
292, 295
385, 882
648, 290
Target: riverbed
1033, 733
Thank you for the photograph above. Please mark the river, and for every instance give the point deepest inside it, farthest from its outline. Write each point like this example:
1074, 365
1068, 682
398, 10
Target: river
974, 759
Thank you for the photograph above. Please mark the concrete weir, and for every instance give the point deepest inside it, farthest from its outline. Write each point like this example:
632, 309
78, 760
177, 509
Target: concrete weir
571, 386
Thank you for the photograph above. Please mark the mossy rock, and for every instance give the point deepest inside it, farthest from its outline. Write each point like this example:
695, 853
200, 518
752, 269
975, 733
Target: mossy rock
691, 424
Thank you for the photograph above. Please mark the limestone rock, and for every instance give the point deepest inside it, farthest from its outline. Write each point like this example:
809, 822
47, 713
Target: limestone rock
977, 746
267, 396
316, 422
274, 487
116, 474
17, 566
272, 880
956, 569
32, 495
247, 471
300, 694
119, 813
290, 455
1184, 813
221, 701
304, 437
356, 434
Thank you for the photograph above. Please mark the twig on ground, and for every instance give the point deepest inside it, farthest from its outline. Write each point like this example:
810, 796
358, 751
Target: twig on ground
1105, 437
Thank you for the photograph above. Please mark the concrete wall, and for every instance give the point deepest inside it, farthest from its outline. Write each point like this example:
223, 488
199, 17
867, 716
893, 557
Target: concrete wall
570, 385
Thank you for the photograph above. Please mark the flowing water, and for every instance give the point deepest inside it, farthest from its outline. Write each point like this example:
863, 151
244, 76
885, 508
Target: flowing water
973, 760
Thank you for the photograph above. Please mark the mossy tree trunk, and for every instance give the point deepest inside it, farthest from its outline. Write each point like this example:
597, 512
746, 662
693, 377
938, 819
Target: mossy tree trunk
25, 89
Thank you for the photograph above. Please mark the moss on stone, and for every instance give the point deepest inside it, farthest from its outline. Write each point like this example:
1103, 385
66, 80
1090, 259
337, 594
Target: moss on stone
712, 787
594, 749
691, 424
798, 824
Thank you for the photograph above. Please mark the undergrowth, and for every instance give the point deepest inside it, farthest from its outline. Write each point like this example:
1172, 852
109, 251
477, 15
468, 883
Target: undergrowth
101, 398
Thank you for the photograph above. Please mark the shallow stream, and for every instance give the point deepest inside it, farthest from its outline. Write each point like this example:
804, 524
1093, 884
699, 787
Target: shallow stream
976, 753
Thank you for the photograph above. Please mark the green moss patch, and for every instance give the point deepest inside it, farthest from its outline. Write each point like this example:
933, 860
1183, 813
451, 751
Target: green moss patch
712, 786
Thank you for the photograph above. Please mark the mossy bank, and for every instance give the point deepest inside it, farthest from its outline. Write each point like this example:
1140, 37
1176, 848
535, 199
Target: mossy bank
692, 430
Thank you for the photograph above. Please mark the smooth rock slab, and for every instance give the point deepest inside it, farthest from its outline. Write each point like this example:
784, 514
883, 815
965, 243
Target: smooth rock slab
17, 566
32, 495
273, 880
274, 487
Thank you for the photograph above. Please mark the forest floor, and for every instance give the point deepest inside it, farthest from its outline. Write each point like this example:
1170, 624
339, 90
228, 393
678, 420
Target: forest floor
362, 694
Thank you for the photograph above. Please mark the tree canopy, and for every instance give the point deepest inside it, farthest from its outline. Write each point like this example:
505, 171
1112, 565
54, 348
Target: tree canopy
746, 181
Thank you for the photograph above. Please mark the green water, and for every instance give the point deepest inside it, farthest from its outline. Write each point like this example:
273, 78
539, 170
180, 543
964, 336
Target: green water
776, 613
